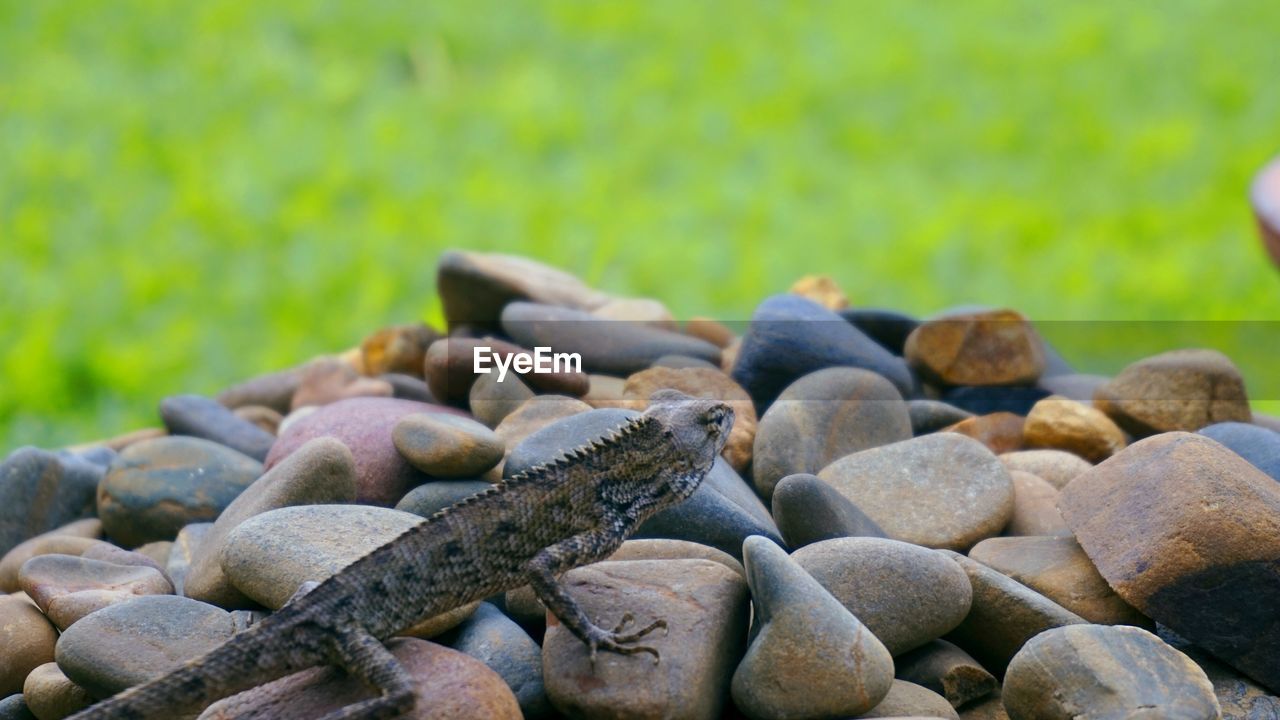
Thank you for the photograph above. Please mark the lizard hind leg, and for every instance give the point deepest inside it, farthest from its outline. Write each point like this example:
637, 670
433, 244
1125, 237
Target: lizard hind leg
364, 657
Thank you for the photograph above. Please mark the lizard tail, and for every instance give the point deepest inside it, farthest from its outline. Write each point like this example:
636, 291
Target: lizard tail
227, 669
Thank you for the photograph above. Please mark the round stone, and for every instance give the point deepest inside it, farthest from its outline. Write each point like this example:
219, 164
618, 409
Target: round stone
155, 487
1001, 432
26, 641
269, 555
809, 510
823, 416
67, 588
48, 544
131, 643
1059, 423
1105, 671
707, 383
905, 594
809, 656
51, 694
943, 490
263, 417
908, 701
534, 414
491, 401
1176, 390
997, 347
929, 416
948, 671
1259, 445
497, 641
1035, 507
447, 446
1056, 467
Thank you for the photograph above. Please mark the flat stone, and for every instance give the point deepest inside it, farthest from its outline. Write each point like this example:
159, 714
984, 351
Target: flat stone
1062, 424
1103, 671
908, 700
988, 399
26, 641
1188, 532
1001, 432
70, 539
269, 555
943, 490
106, 552
447, 446
824, 416
475, 287
397, 349
705, 383
203, 417
51, 694
156, 487
722, 512
497, 641
1035, 507
328, 380
890, 328
809, 656
905, 594
429, 498
1258, 445
1176, 390
1056, 467
492, 401
447, 685
791, 336
128, 644
321, 471
183, 551
809, 510
364, 425
41, 490
1005, 614
948, 671
67, 588
705, 606
450, 370
662, 549
274, 390
616, 348
929, 416
1058, 568
997, 347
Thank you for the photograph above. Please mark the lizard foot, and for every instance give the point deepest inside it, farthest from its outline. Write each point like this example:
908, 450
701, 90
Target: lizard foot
620, 643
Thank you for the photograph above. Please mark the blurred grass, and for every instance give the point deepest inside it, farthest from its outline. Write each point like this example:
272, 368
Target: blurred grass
192, 193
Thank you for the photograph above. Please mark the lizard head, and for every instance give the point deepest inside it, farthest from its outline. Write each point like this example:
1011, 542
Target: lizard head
698, 426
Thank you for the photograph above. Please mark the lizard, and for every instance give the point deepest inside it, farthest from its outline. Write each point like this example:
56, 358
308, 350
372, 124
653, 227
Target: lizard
529, 529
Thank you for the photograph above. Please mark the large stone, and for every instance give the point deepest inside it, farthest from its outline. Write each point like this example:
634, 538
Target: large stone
997, 347
128, 644
202, 417
791, 336
613, 348
947, 670
1057, 568
1259, 445
474, 287
1176, 390
447, 446
905, 594
497, 641
1062, 424
707, 383
447, 685
268, 556
809, 656
809, 510
364, 425
41, 490
1057, 467
1188, 532
562, 436
26, 641
1099, 671
722, 512
67, 588
156, 487
321, 471
1005, 614
1239, 697
705, 607
824, 416
943, 490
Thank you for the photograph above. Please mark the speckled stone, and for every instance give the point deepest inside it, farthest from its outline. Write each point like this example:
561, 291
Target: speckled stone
67, 588
41, 490
943, 490
1176, 390
1104, 671
447, 446
1059, 423
26, 641
51, 694
1035, 507
130, 643
1057, 467
156, 487
908, 700
905, 594
997, 347
269, 555
497, 641
321, 471
948, 671
809, 510
824, 416
809, 657
203, 417
708, 383
705, 606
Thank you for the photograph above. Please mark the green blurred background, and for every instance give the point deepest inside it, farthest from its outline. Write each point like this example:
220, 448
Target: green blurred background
193, 193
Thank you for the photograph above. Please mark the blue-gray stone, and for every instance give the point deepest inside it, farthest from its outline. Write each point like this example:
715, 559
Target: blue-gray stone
202, 417
41, 490
497, 641
929, 416
15, 707
1258, 445
890, 328
988, 399
791, 336
550, 442
429, 498
809, 510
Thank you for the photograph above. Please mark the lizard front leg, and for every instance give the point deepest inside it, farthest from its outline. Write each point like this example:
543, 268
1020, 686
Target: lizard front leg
565, 555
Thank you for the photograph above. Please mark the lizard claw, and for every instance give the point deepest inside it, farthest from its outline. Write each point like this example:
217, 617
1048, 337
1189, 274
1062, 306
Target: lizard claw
618, 643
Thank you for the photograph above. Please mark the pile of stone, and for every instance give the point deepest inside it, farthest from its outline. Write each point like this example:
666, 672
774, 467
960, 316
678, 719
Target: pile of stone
912, 518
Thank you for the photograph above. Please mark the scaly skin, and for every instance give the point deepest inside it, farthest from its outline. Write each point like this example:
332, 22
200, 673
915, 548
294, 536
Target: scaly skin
530, 529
